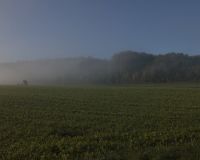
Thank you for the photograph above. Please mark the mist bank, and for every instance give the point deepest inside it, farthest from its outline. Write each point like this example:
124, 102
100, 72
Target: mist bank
123, 67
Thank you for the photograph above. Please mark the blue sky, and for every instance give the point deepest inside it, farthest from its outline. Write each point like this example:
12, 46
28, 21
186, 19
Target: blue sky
34, 29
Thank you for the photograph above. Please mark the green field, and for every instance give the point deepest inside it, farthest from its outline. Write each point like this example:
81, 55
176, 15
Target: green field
100, 123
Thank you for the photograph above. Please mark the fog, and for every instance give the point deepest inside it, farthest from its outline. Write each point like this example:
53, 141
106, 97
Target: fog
52, 71
124, 67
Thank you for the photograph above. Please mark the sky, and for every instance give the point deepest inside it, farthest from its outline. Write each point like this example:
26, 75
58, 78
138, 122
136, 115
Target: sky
35, 29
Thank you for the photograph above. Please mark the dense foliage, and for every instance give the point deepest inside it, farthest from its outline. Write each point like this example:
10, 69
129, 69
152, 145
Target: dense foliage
141, 67
100, 123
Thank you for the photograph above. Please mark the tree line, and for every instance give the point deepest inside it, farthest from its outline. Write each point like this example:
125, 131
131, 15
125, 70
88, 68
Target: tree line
129, 67
139, 67
122, 68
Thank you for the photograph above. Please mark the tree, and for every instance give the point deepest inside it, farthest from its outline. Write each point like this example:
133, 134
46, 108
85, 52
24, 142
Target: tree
25, 82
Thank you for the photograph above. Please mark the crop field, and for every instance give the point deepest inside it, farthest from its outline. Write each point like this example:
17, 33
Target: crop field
141, 122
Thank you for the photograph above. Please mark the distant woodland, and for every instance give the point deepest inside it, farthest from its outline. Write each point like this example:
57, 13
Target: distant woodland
122, 68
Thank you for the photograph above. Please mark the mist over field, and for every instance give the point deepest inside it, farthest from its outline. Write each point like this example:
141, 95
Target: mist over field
49, 29
99, 80
52, 71
124, 67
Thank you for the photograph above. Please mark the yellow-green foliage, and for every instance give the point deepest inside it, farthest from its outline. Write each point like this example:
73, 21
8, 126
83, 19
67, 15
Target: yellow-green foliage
100, 123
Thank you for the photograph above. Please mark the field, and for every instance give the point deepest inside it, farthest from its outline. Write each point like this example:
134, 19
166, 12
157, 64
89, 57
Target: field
144, 122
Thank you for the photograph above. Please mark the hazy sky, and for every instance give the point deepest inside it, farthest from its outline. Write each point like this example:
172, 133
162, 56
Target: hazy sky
33, 29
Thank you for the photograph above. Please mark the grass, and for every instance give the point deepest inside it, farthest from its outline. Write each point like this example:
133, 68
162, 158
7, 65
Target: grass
144, 122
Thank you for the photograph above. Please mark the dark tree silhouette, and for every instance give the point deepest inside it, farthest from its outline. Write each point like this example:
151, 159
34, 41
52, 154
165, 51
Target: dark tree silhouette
25, 82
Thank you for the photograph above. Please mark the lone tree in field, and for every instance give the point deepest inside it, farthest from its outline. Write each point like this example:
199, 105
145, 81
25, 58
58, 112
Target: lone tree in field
25, 82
